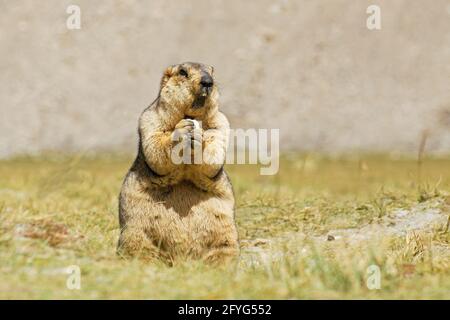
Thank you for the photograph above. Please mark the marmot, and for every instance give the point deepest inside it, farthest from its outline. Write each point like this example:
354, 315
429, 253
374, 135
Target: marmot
169, 210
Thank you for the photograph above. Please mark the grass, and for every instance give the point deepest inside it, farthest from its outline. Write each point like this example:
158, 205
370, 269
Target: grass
57, 211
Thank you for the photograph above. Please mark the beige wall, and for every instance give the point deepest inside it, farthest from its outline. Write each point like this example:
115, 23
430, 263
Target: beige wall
310, 68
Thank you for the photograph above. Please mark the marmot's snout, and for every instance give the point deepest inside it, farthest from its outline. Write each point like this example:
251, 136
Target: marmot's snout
206, 87
206, 81
206, 84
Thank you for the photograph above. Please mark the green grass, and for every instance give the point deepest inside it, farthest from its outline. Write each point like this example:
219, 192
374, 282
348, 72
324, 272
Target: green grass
57, 211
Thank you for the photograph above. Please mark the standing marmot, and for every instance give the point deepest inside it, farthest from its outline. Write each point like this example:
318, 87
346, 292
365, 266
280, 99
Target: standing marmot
169, 210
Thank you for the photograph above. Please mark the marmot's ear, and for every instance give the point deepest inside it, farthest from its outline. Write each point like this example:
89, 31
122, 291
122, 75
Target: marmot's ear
167, 74
169, 71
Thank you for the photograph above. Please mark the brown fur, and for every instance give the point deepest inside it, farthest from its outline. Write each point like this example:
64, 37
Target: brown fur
175, 211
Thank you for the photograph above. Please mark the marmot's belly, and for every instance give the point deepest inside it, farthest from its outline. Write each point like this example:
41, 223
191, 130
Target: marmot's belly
187, 219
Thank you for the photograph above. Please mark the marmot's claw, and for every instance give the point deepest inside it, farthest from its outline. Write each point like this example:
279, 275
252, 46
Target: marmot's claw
185, 124
195, 123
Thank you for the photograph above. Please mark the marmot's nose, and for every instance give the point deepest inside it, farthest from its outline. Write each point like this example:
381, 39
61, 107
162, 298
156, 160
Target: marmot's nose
206, 80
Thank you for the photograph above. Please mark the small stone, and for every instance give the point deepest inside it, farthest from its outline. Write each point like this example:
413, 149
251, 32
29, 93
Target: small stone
330, 238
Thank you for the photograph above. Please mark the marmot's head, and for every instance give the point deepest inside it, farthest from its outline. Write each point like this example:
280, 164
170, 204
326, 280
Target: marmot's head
190, 86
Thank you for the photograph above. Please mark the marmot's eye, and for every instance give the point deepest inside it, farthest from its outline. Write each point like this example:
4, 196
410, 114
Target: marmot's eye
183, 73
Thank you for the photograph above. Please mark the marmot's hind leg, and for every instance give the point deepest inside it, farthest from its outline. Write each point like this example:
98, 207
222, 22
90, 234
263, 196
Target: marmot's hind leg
224, 255
133, 242
224, 249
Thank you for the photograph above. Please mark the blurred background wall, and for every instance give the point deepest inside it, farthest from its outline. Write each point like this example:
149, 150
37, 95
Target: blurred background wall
311, 68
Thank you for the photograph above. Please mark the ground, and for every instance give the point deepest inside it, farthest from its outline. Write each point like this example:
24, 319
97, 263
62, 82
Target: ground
322, 228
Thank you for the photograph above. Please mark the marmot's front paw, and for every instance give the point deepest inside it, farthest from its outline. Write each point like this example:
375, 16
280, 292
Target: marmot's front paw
183, 132
184, 126
197, 138
189, 132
